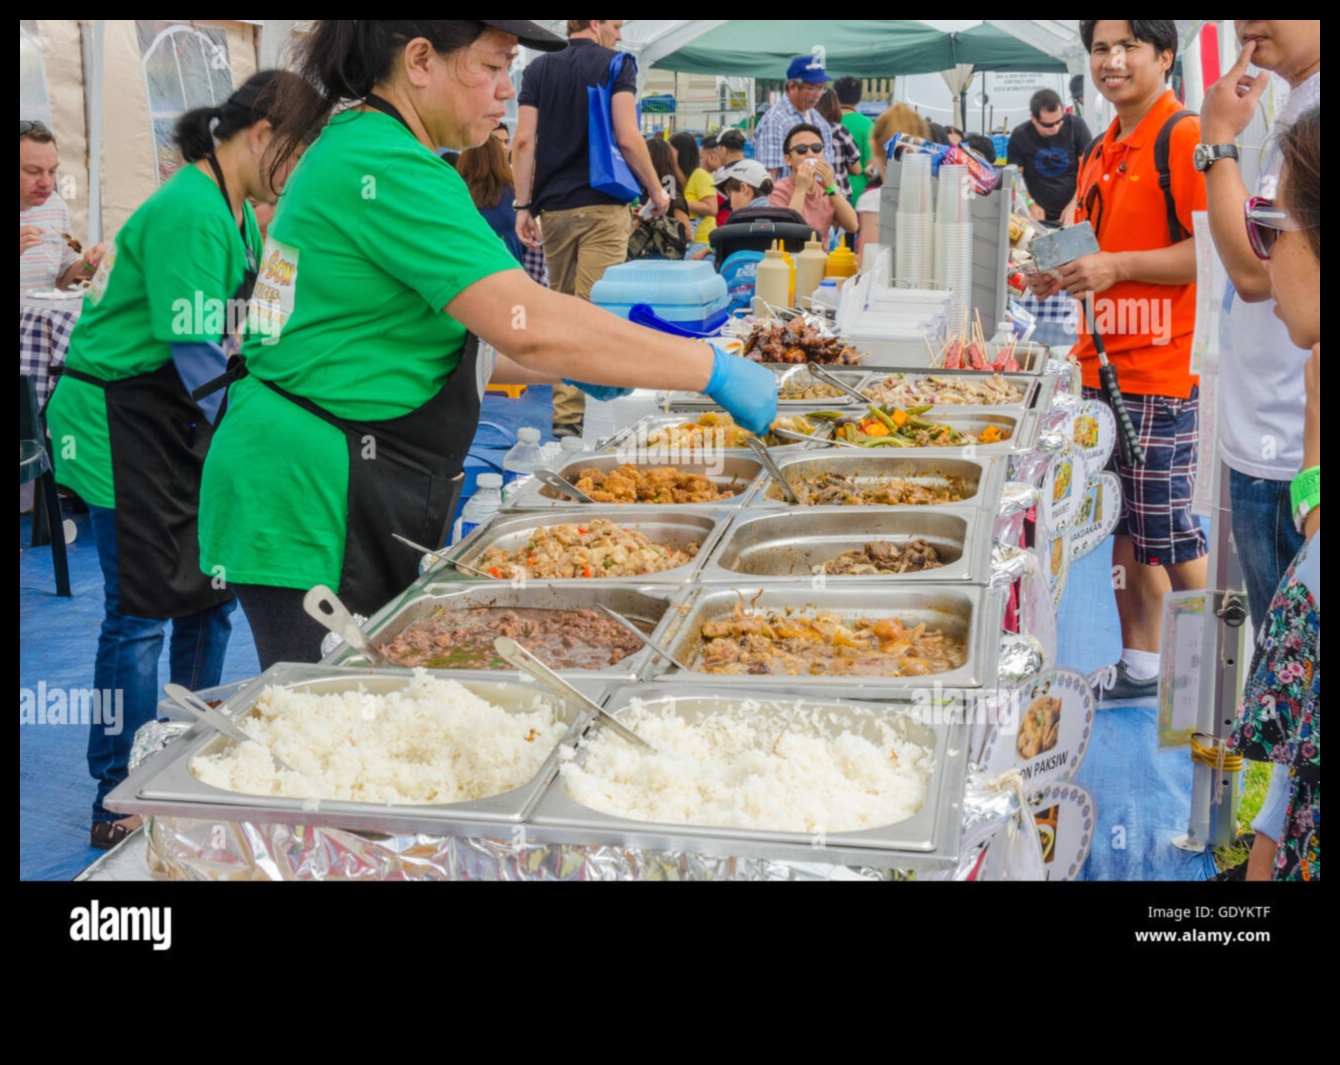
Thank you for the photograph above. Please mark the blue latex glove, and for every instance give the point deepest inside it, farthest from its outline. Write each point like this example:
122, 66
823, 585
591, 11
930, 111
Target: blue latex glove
601, 392
745, 389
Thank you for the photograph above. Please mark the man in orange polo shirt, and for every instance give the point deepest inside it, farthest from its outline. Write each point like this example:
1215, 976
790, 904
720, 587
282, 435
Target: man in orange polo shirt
1142, 292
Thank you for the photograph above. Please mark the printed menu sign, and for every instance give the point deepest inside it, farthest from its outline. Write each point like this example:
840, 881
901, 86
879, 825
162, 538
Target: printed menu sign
1047, 732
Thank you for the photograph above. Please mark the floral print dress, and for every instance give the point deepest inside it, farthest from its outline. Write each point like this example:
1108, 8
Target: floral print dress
1280, 720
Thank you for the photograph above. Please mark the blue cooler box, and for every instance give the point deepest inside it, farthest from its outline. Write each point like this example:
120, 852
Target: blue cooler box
688, 296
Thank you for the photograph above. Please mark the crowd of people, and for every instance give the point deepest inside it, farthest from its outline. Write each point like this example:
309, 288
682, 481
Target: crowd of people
250, 464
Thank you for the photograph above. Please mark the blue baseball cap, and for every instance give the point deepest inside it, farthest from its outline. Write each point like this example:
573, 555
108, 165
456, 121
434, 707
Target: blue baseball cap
807, 68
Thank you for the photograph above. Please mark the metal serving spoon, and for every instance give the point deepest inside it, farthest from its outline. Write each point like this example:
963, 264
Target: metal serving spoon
203, 712
552, 480
514, 654
614, 615
760, 451
324, 606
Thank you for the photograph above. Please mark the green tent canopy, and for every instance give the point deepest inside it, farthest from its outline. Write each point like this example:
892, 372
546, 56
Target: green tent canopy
864, 48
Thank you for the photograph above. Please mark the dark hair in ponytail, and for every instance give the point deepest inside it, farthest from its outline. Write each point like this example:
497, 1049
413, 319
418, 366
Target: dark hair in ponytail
269, 96
345, 59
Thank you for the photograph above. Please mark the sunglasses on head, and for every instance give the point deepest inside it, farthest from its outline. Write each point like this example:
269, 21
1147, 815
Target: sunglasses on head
807, 149
1265, 223
26, 127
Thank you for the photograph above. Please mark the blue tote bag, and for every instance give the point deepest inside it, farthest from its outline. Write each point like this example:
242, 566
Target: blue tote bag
610, 172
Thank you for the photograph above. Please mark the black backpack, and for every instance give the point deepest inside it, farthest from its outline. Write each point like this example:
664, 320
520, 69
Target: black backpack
1162, 164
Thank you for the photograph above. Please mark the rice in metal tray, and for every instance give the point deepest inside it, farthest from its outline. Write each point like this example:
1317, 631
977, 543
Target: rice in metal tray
771, 767
432, 743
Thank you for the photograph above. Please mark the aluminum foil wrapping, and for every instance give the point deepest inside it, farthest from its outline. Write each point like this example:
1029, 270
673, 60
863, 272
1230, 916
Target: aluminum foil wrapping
1009, 564
185, 849
1067, 373
1015, 503
996, 843
1020, 658
1060, 416
153, 737
1030, 467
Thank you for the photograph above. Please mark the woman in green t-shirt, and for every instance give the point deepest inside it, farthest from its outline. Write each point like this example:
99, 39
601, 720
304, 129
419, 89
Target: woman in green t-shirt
129, 438
364, 384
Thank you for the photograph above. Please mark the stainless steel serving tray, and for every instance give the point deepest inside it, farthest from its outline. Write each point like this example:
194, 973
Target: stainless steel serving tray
775, 545
725, 469
696, 401
929, 466
967, 612
638, 603
674, 526
165, 785
1036, 391
631, 442
1023, 426
926, 840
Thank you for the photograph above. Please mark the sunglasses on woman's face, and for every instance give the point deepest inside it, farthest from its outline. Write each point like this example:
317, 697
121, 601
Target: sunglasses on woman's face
1265, 223
807, 149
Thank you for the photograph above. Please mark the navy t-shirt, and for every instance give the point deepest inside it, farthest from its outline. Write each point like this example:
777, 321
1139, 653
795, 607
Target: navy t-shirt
555, 85
1050, 165
502, 219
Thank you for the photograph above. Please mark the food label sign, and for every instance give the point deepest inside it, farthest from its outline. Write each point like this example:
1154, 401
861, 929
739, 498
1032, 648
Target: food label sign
1061, 491
1047, 732
1099, 511
1095, 436
1054, 557
1064, 817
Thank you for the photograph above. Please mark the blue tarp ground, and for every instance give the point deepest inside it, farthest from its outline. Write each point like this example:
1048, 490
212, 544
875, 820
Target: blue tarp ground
1143, 793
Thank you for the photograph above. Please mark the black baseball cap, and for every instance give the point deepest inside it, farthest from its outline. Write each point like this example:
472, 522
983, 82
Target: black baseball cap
529, 34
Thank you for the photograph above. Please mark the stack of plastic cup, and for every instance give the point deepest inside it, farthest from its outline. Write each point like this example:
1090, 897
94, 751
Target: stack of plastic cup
953, 238
914, 253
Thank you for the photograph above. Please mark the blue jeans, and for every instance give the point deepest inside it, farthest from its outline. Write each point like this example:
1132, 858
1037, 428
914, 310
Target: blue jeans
128, 652
1267, 540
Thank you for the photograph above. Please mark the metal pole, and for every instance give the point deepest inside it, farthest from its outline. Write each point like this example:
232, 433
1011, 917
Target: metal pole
93, 33
1214, 795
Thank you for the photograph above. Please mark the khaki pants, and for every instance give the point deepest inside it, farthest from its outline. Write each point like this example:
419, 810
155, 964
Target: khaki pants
579, 246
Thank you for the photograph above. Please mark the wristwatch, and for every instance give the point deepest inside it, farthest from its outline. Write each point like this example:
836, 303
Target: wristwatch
1306, 496
1206, 155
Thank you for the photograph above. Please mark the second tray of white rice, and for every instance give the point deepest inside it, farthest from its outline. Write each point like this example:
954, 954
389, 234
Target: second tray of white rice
780, 767
433, 743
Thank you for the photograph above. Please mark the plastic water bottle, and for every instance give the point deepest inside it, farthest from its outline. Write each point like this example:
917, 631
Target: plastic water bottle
521, 463
481, 508
572, 450
825, 300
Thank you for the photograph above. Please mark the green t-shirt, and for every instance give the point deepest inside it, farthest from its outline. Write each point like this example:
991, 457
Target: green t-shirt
374, 236
168, 279
701, 187
859, 126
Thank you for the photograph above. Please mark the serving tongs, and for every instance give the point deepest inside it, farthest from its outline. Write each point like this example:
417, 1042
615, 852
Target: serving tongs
760, 451
550, 479
517, 656
615, 616
820, 374
435, 557
219, 722
324, 606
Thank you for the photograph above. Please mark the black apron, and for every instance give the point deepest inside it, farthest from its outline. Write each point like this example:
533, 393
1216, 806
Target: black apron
158, 438
405, 474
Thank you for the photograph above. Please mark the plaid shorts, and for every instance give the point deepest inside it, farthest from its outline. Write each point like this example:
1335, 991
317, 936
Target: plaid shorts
1156, 511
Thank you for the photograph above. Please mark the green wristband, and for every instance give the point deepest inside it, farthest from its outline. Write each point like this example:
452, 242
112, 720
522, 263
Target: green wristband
832, 190
1306, 495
